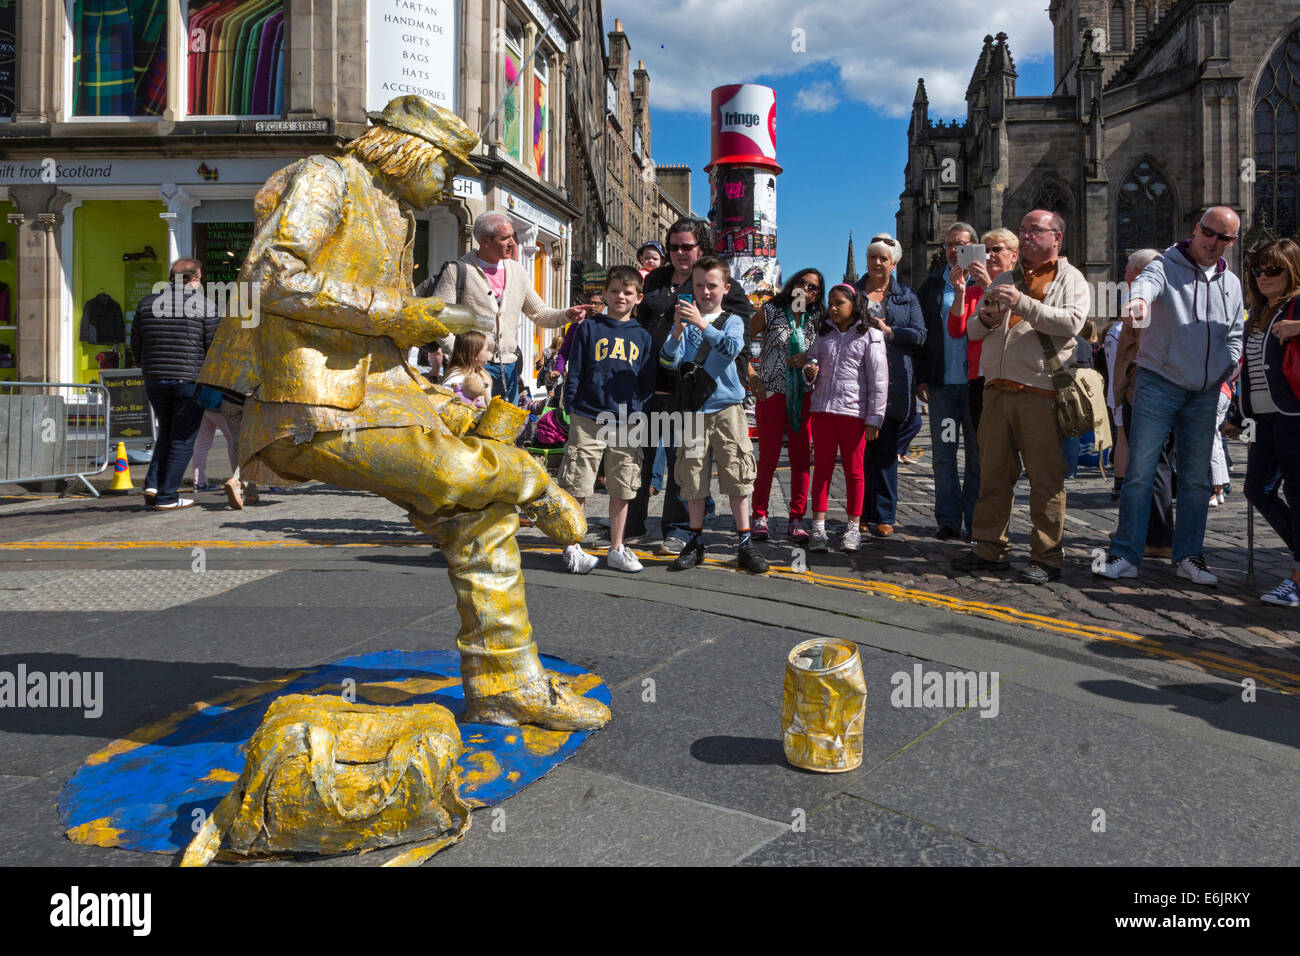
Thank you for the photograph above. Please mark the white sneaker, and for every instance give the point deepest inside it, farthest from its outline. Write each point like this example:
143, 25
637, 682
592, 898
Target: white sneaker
1116, 568
622, 559
1194, 569
1215, 501
819, 541
852, 536
1220, 496
579, 561
672, 545
178, 503
1286, 594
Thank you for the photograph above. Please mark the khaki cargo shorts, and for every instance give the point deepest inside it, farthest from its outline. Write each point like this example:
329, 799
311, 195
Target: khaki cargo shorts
582, 456
726, 441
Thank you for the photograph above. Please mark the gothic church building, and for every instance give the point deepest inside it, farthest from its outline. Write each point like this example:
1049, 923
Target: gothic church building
1160, 110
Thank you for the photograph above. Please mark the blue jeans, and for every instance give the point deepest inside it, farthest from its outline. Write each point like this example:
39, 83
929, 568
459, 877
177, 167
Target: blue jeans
179, 417
1070, 448
880, 466
950, 418
1273, 466
1159, 406
505, 380
657, 469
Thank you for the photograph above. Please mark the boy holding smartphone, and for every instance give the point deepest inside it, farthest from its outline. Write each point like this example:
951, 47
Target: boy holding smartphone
725, 434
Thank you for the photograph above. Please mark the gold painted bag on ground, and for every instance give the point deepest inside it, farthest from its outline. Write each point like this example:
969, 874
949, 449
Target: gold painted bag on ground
324, 775
824, 706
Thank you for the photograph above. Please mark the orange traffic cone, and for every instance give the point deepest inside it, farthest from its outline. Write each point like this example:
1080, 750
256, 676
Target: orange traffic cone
121, 473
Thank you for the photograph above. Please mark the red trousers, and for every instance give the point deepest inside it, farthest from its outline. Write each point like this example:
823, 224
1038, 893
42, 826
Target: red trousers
846, 434
773, 426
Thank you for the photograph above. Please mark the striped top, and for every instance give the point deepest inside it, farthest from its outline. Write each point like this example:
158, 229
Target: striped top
1261, 402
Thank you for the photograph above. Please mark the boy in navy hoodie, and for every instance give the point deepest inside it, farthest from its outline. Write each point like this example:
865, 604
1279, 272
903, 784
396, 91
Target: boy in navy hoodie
608, 376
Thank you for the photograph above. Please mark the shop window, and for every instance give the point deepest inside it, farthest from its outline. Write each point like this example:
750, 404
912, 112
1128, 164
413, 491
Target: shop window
8, 58
541, 115
512, 133
1277, 141
235, 65
119, 60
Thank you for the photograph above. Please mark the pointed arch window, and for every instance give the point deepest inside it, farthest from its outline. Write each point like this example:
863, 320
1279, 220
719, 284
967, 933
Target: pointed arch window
1118, 25
1141, 22
1277, 140
1145, 214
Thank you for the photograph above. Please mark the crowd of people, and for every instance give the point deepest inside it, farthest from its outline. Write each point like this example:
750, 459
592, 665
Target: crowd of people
839, 375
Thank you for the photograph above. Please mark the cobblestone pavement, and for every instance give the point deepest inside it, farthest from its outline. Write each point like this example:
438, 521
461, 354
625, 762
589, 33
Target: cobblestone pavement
912, 564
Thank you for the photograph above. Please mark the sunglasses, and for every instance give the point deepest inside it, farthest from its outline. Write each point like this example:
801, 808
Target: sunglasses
885, 239
682, 246
1271, 271
1209, 233
811, 286
995, 250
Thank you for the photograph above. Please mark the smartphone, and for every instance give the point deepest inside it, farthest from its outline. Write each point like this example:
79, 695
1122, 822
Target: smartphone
685, 297
967, 255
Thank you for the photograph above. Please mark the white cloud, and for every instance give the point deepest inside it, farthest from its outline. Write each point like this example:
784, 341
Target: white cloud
875, 50
817, 98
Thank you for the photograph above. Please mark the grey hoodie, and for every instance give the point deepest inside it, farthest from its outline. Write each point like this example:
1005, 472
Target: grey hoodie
1194, 336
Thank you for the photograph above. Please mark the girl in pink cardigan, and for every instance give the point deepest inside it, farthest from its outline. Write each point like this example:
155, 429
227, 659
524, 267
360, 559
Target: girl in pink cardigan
847, 368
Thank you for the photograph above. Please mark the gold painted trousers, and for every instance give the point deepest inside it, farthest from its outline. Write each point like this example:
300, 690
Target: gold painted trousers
463, 492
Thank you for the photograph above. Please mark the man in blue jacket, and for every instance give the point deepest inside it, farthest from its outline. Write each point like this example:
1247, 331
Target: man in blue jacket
698, 326
1190, 309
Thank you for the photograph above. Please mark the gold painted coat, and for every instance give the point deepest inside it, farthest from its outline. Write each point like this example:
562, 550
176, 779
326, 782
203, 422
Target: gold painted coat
331, 260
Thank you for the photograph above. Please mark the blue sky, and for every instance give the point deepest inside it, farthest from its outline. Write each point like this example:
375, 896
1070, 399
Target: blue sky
843, 101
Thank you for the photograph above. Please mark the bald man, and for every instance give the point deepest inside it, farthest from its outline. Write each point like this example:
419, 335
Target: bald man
1190, 309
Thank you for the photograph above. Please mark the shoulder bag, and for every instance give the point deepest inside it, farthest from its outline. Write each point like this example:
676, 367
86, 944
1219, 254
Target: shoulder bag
694, 385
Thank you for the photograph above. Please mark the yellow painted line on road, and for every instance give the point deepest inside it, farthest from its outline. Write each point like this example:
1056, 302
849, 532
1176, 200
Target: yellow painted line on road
1279, 679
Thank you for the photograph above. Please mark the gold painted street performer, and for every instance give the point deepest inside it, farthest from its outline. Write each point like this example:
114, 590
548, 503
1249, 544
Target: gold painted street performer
330, 395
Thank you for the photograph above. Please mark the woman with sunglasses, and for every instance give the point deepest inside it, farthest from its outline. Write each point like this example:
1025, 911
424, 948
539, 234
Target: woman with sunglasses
894, 310
1265, 395
788, 323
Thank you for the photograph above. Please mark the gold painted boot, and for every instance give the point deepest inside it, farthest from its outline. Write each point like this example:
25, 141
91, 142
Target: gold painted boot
555, 513
549, 702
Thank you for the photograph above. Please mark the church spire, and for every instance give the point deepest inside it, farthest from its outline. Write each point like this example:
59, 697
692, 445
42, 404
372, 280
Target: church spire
981, 67
920, 124
850, 268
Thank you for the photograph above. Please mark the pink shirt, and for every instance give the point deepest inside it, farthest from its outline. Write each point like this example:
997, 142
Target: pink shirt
496, 276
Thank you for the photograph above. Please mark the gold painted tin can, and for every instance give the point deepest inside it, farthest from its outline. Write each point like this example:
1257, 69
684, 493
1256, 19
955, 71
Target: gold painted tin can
502, 421
824, 706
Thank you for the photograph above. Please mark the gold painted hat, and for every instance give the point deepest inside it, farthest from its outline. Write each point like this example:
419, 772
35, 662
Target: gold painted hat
441, 127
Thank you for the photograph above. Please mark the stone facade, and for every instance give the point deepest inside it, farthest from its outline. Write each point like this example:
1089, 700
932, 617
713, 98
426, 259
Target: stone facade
203, 163
1135, 142
630, 173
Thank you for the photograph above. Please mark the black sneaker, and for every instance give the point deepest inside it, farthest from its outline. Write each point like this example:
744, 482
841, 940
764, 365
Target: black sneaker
747, 559
971, 562
947, 532
688, 559
1037, 573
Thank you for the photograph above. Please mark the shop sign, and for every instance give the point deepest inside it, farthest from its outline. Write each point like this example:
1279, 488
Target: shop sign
130, 418
83, 171
465, 188
526, 210
411, 48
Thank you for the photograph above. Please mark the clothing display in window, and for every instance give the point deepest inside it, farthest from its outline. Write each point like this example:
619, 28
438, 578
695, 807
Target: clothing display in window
236, 70
102, 322
120, 61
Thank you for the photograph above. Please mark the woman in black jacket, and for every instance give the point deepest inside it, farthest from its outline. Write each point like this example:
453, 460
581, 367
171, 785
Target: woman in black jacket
1266, 397
896, 312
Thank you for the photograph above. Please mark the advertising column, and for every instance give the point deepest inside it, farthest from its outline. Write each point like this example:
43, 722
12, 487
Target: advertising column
742, 186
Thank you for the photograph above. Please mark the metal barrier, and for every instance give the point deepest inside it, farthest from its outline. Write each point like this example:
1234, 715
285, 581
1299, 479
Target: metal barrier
52, 430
